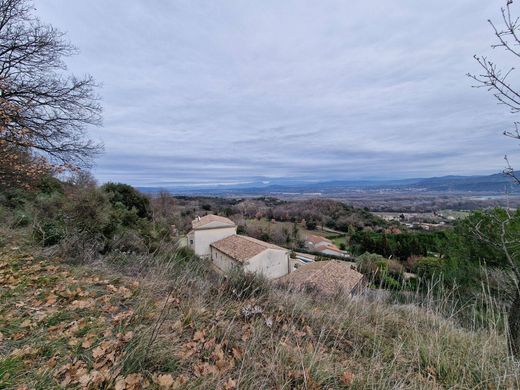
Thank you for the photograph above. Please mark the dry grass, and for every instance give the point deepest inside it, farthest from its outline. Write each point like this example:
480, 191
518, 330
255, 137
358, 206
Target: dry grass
189, 332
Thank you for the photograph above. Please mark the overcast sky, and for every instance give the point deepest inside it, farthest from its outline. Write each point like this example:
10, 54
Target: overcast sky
233, 91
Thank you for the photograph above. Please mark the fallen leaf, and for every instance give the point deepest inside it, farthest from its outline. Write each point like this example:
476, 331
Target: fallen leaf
165, 380
120, 384
347, 378
199, 335
125, 292
236, 352
88, 341
230, 384
26, 324
98, 352
51, 299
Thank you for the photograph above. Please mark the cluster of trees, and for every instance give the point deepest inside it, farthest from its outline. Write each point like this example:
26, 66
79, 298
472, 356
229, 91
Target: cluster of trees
399, 246
84, 222
315, 212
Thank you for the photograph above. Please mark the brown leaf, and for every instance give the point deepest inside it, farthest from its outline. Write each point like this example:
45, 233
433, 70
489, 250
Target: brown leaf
199, 335
26, 324
98, 352
83, 304
347, 378
165, 380
120, 384
230, 384
125, 292
237, 354
88, 341
51, 299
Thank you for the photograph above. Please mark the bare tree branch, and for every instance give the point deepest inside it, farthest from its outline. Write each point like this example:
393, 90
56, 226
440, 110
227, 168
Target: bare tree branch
43, 110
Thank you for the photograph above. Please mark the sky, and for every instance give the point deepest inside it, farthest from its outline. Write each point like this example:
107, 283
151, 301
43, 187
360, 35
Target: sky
222, 92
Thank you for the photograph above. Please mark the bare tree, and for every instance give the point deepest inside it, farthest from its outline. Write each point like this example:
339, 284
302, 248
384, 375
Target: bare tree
497, 81
44, 110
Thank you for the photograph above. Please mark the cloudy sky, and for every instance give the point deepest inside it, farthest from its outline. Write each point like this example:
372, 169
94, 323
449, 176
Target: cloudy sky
198, 92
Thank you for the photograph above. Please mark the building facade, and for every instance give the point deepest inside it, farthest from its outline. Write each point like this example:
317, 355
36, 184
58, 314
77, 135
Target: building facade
208, 229
251, 255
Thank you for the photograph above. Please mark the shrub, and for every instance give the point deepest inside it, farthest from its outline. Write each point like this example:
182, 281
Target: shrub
49, 185
311, 225
370, 264
384, 272
50, 232
22, 218
129, 197
429, 267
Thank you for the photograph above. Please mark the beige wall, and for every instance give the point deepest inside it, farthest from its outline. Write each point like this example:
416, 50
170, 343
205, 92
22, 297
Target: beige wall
272, 263
204, 237
222, 261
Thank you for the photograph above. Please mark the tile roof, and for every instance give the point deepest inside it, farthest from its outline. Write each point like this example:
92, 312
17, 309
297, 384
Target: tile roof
199, 222
326, 276
325, 247
317, 239
242, 248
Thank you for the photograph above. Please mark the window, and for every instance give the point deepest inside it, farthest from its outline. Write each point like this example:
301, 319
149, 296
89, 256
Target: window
191, 242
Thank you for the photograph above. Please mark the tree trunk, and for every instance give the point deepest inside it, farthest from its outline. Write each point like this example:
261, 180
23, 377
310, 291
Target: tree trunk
514, 324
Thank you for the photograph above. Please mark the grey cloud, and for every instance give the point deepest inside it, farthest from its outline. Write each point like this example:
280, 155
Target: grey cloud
202, 91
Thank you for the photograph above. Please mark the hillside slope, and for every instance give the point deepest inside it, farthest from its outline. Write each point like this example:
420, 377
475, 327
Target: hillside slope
177, 325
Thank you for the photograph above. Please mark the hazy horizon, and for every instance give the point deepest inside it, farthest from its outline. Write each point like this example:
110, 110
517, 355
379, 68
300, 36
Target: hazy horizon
204, 92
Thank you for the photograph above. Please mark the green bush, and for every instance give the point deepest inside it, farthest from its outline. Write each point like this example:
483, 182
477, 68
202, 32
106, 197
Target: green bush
311, 225
21, 218
129, 197
429, 267
384, 272
50, 232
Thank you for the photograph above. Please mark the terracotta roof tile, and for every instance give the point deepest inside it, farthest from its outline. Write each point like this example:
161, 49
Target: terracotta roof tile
242, 248
317, 239
201, 221
324, 247
326, 276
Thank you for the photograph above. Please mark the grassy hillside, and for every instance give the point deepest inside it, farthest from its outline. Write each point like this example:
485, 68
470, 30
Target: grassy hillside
171, 323
95, 293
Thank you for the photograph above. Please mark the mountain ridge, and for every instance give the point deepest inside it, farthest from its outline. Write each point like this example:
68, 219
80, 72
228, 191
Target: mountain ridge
498, 183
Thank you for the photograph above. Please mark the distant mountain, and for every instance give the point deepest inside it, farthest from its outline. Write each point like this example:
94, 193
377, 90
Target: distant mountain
495, 184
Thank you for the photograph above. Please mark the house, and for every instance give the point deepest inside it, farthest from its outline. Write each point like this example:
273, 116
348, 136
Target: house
251, 255
323, 245
330, 250
326, 277
312, 241
208, 229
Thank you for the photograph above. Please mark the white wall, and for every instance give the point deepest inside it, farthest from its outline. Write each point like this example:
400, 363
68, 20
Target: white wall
204, 237
272, 263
